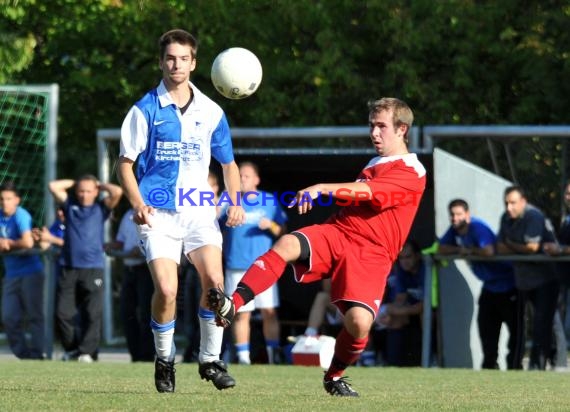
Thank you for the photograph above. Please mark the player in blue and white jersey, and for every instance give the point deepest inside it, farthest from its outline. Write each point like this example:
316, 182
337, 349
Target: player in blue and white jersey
171, 134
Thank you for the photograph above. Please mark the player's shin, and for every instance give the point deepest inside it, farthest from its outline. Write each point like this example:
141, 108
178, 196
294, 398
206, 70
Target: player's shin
347, 350
265, 271
164, 340
211, 337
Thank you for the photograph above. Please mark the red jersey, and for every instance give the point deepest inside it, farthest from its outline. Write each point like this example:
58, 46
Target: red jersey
397, 184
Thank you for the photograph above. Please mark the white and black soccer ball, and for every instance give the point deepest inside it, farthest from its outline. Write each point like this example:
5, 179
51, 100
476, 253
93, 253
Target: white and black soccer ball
236, 73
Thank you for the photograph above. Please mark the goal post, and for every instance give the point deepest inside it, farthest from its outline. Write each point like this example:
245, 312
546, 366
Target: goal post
28, 144
28, 155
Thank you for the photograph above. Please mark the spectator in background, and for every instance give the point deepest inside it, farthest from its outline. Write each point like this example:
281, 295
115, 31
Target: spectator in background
564, 232
46, 238
23, 283
562, 247
52, 238
80, 286
523, 231
323, 312
499, 300
401, 315
264, 222
136, 291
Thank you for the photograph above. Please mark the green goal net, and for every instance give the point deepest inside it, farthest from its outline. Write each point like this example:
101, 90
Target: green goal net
28, 140
28, 151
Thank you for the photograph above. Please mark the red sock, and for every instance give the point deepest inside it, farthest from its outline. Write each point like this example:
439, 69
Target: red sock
347, 350
264, 272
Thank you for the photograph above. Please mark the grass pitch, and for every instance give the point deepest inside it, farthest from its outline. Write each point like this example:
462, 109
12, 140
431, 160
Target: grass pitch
65, 386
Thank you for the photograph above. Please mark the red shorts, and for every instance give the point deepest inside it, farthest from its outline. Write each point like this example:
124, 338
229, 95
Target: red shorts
357, 268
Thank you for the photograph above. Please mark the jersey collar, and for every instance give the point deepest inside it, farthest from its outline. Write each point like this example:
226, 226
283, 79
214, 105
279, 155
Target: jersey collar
165, 99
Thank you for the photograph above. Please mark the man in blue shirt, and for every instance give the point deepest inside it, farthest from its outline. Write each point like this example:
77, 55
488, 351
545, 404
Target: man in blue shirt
23, 283
80, 286
499, 300
264, 222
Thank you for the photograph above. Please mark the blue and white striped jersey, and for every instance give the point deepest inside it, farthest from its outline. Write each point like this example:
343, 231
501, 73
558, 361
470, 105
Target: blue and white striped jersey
172, 150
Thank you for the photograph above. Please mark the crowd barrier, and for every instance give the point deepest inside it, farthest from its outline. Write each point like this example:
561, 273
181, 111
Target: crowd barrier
449, 348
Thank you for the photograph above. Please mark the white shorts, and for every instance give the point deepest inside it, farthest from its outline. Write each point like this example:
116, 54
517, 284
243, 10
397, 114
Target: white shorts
173, 232
267, 299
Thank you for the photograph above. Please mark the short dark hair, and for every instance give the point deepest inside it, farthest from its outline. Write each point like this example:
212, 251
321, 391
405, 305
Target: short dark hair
458, 202
413, 245
9, 186
247, 163
515, 188
87, 176
177, 36
82, 178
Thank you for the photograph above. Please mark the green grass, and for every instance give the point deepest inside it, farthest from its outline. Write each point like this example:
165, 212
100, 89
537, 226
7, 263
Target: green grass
64, 386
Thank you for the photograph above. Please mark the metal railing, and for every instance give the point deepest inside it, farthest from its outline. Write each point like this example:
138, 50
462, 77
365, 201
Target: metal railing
435, 259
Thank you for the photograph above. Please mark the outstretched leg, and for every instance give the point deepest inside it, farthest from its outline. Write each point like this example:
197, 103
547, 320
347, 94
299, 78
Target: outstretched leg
264, 272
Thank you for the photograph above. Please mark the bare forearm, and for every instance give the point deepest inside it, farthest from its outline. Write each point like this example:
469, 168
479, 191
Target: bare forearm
351, 190
400, 310
510, 247
448, 249
524, 248
277, 229
115, 193
232, 181
272, 226
112, 189
25, 242
57, 241
129, 183
59, 188
462, 250
235, 212
503, 249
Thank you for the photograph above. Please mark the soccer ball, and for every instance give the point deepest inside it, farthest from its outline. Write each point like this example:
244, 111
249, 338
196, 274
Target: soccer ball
236, 73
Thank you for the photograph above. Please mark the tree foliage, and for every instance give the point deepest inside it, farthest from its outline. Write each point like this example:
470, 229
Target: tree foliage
454, 61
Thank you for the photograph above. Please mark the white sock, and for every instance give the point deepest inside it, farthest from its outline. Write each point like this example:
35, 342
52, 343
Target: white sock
243, 357
211, 336
164, 341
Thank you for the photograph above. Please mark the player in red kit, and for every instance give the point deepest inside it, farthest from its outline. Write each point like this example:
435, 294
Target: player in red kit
356, 247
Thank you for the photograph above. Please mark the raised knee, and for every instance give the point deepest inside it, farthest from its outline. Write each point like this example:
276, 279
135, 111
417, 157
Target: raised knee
287, 247
167, 294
